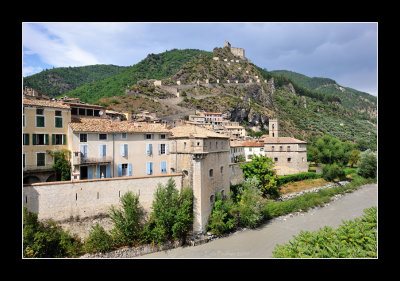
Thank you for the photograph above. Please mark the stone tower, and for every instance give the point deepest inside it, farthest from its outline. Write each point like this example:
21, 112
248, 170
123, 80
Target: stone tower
273, 128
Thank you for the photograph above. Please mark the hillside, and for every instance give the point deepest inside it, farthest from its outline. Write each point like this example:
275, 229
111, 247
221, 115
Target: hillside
304, 113
363, 103
57, 81
154, 66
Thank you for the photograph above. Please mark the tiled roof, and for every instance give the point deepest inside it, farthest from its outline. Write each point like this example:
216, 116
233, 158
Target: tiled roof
44, 103
271, 140
87, 124
188, 131
253, 144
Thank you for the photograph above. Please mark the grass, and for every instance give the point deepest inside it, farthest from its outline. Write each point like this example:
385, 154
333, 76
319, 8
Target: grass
302, 185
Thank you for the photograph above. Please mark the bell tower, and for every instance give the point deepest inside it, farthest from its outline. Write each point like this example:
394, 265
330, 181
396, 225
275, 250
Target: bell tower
273, 128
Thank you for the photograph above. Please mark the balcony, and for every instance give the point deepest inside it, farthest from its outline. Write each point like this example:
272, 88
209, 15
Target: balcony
80, 160
35, 168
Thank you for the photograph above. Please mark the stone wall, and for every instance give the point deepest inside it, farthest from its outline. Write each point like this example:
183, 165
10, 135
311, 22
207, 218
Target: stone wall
71, 203
235, 174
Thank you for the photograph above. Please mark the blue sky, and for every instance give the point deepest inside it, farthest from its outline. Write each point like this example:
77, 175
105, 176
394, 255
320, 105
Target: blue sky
345, 52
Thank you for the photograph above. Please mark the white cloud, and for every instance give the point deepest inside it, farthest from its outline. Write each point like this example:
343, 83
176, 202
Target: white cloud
30, 70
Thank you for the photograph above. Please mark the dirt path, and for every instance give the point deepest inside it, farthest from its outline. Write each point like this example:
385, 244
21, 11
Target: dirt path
259, 243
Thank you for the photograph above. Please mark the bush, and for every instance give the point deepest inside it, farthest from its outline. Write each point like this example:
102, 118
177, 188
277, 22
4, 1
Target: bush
297, 177
172, 215
47, 241
127, 222
224, 216
250, 204
367, 165
352, 239
99, 240
333, 171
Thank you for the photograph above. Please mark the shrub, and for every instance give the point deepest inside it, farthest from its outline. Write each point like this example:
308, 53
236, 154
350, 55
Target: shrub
224, 216
250, 205
172, 215
127, 221
367, 165
352, 239
297, 177
47, 241
99, 240
332, 171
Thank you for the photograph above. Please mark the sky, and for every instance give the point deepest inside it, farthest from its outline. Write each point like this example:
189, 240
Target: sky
344, 52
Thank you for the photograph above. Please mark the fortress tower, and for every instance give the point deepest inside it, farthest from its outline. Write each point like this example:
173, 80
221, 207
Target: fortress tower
273, 128
235, 51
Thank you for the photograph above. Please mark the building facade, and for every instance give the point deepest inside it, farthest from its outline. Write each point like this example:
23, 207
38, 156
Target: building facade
45, 130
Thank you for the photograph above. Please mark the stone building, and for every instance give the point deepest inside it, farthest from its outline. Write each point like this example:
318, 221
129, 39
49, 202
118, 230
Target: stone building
203, 157
289, 154
45, 129
235, 51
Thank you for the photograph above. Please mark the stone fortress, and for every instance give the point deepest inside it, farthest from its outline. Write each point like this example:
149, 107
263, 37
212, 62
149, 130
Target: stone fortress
235, 51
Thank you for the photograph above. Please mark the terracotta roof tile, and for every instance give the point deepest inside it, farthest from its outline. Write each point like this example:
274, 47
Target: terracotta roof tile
44, 103
188, 131
271, 140
87, 124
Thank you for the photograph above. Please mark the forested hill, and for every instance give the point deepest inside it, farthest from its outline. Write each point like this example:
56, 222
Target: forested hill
57, 81
361, 102
155, 66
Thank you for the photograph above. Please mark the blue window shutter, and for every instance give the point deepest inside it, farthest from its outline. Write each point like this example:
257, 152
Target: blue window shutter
152, 136
108, 171
130, 169
122, 150
97, 171
167, 149
148, 148
151, 168
104, 150
100, 150
89, 172
163, 167
119, 170
148, 168
126, 149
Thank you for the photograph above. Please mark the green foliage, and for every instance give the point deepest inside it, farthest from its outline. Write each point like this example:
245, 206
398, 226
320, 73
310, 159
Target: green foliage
99, 240
367, 164
62, 164
128, 220
354, 157
240, 158
47, 241
172, 215
333, 171
329, 150
55, 82
250, 204
297, 177
154, 66
224, 216
261, 167
353, 239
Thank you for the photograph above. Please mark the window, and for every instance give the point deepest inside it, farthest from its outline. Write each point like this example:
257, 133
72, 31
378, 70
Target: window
163, 167
124, 150
123, 136
199, 144
82, 111
212, 199
82, 137
23, 160
281, 148
83, 148
289, 159
97, 113
40, 122
184, 145
272, 148
57, 139
58, 122
39, 111
40, 139
26, 139
57, 113
148, 136
163, 136
211, 172
288, 148
222, 169
149, 149
102, 136
163, 149
250, 149
149, 168
102, 150
40, 159
89, 112
74, 111
276, 159
262, 149
124, 170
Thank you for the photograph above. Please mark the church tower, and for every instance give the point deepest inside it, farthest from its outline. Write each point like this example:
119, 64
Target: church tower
273, 128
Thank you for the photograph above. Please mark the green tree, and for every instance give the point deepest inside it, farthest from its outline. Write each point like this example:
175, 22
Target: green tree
367, 164
329, 150
261, 167
354, 157
62, 164
250, 204
128, 220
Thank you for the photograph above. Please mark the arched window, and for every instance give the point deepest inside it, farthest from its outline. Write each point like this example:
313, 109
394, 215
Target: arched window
211, 172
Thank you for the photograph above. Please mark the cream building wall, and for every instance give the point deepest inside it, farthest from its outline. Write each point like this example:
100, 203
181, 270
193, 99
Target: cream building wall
281, 152
30, 128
